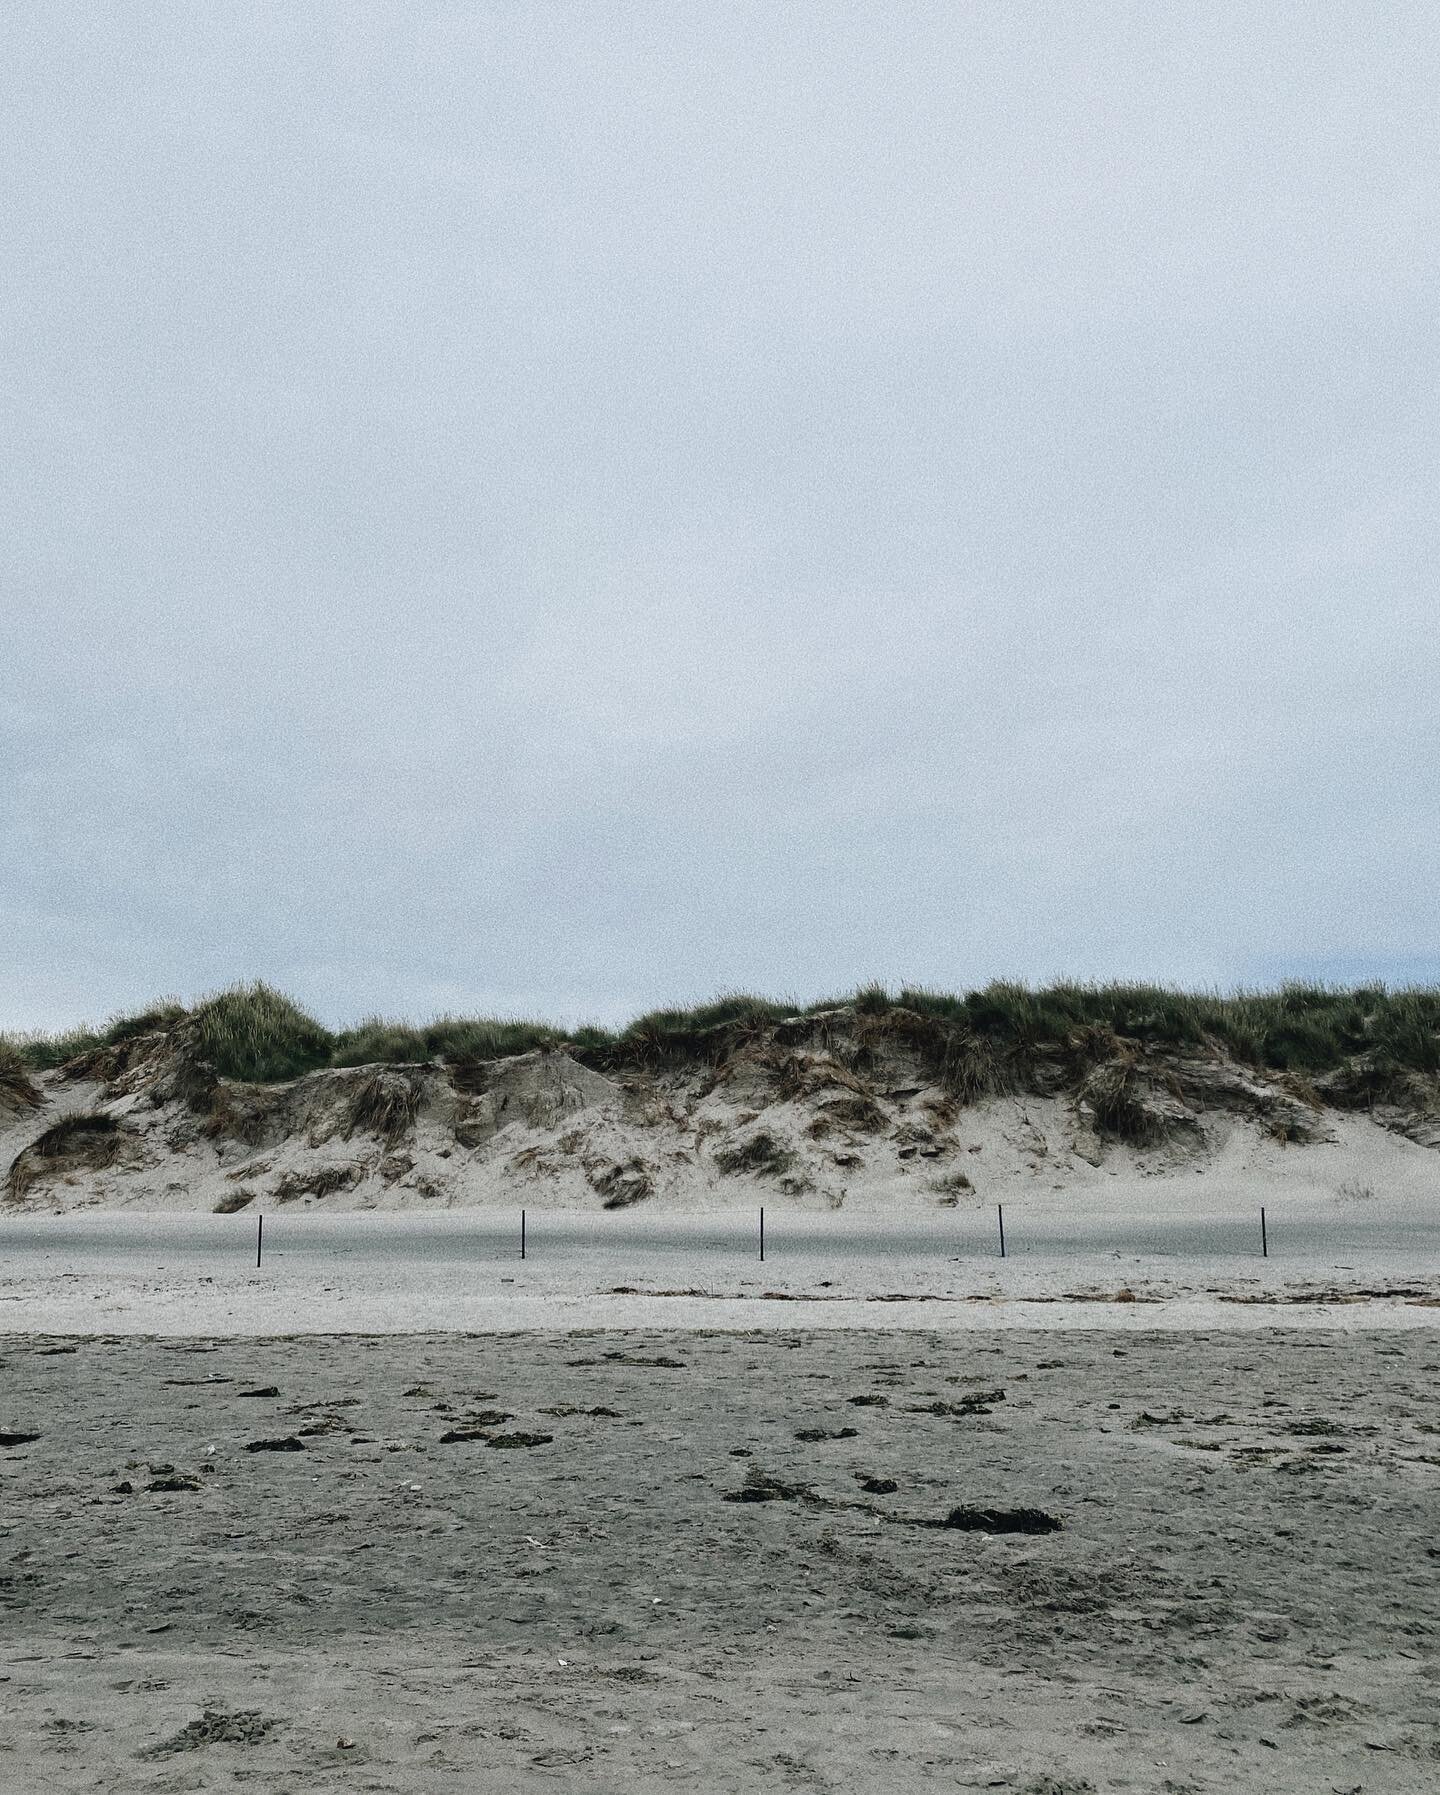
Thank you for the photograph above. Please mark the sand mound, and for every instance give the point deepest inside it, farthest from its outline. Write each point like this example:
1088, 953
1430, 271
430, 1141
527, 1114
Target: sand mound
75, 1144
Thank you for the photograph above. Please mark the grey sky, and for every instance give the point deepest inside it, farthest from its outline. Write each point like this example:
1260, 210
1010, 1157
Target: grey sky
557, 508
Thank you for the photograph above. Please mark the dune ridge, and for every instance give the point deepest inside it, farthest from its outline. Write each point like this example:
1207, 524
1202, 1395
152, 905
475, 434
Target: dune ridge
876, 1100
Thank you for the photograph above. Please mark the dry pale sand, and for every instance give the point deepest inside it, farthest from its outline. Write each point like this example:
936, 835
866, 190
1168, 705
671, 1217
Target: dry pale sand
196, 1275
1009, 1150
1243, 1593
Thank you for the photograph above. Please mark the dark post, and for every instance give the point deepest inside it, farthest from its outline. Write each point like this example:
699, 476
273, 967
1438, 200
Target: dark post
522, 1233
1000, 1212
1264, 1242
762, 1230
259, 1239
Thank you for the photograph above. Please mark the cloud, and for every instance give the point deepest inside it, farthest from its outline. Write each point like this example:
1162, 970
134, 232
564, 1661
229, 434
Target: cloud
564, 510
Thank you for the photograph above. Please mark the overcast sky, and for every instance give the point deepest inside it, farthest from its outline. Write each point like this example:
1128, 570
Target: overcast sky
557, 508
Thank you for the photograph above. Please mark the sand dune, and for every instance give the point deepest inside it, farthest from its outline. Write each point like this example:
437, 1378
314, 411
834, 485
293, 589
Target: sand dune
830, 1112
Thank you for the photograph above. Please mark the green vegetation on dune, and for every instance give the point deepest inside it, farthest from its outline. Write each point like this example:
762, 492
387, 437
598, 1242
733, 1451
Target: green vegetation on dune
485, 1038
672, 1036
1301, 1028
17, 1089
256, 1033
976, 1040
41, 1053
378, 1042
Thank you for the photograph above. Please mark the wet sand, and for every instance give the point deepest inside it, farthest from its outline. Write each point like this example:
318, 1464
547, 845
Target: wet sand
1243, 1592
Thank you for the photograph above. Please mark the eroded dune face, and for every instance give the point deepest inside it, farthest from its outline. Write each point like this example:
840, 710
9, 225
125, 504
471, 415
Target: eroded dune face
814, 1111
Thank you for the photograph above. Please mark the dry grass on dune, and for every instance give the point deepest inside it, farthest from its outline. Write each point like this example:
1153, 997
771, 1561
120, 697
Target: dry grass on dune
1006, 1037
89, 1142
18, 1090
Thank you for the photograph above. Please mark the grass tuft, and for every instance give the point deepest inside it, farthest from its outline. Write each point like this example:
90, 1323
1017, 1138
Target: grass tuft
254, 1033
159, 1017
1116, 1098
377, 1042
486, 1038
91, 1141
17, 1087
385, 1104
71, 1135
45, 1052
705, 1034
761, 1153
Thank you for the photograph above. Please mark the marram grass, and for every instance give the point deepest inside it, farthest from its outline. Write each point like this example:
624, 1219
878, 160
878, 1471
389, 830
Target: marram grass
256, 1033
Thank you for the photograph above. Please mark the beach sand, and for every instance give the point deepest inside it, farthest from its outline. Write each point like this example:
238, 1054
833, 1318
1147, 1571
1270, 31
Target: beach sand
1243, 1592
